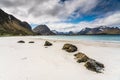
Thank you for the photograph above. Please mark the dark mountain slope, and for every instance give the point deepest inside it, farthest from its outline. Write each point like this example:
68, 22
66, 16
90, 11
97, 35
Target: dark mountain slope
43, 30
9, 25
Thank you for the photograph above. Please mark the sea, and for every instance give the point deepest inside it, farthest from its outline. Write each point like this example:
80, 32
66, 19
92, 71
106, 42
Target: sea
99, 38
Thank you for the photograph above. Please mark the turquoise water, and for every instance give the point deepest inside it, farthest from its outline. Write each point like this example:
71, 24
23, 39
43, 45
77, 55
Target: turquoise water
106, 38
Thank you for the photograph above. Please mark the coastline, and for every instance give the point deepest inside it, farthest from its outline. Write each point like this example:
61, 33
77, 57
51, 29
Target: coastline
84, 42
35, 62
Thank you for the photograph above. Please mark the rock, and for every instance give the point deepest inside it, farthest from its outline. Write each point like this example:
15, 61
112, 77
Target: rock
47, 43
90, 64
81, 57
21, 41
31, 42
94, 66
46, 47
69, 48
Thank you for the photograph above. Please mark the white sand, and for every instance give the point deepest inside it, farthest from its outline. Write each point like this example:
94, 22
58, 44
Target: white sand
35, 62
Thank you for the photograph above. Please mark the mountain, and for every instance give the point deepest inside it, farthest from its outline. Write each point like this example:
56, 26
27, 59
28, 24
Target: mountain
63, 33
9, 25
55, 32
59, 33
100, 30
43, 30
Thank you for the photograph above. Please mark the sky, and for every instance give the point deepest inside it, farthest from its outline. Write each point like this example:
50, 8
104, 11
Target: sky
65, 15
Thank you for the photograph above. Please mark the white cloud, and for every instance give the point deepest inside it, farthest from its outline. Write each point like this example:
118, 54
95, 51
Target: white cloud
108, 20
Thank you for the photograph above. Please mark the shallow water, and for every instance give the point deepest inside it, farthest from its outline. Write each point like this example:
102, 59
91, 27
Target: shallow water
103, 38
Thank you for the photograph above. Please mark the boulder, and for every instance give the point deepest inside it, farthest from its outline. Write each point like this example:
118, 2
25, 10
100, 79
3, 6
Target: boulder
81, 57
94, 66
21, 41
47, 43
31, 42
69, 48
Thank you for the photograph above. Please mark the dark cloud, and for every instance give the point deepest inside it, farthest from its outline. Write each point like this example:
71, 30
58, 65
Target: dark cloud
15, 3
62, 1
19, 3
56, 11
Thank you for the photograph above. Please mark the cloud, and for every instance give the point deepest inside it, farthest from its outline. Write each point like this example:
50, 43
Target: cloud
112, 19
45, 10
56, 13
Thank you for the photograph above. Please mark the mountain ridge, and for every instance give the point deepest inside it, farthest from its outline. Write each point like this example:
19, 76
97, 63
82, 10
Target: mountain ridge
10, 25
101, 30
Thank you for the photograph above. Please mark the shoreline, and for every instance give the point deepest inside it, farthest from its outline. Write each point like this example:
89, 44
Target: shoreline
84, 42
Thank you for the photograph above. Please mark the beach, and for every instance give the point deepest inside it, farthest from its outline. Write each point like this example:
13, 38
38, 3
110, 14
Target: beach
33, 61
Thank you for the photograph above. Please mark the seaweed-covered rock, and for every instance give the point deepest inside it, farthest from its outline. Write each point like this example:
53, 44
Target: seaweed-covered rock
94, 65
31, 42
47, 43
21, 41
69, 48
81, 57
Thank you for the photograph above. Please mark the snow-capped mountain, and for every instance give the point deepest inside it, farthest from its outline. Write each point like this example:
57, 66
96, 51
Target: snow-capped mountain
100, 30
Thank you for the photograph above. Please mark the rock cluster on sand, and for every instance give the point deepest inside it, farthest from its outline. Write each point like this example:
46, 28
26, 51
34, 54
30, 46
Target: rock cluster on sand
90, 64
47, 43
94, 65
21, 41
69, 48
31, 42
81, 57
